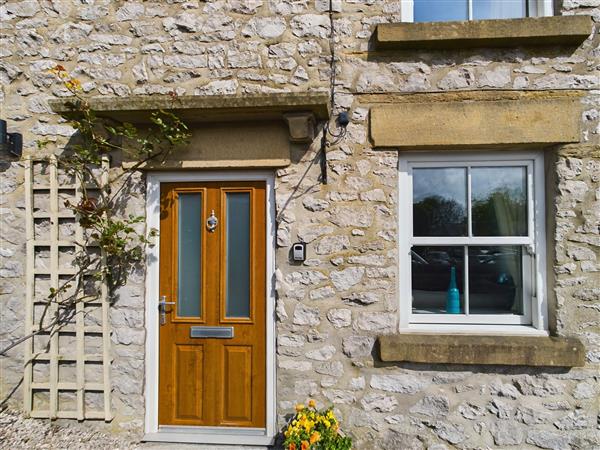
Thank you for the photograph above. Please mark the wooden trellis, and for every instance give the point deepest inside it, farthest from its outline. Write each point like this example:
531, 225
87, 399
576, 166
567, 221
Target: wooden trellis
67, 368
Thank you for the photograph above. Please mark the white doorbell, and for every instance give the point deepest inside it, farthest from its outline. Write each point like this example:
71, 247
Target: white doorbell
299, 251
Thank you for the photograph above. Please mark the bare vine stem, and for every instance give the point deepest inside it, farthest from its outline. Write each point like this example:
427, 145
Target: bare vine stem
116, 237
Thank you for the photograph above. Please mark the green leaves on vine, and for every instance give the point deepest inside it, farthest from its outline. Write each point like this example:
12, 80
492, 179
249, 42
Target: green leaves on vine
121, 239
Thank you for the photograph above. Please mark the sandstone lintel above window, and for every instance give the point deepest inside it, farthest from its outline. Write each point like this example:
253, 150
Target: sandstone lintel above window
534, 31
481, 349
497, 119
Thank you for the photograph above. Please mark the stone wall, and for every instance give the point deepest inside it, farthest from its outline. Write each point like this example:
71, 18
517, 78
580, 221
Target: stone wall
331, 308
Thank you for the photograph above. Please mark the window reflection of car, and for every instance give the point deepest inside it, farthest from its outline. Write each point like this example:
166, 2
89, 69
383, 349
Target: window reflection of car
431, 269
491, 276
491, 283
438, 257
486, 257
417, 259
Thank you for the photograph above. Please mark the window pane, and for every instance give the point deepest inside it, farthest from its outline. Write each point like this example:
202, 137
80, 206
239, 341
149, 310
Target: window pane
440, 10
238, 255
498, 9
440, 201
431, 270
496, 280
499, 201
188, 263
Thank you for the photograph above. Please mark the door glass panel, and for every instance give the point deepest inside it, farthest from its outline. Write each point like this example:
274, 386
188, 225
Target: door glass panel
496, 280
189, 255
432, 278
498, 9
499, 205
440, 201
440, 10
238, 254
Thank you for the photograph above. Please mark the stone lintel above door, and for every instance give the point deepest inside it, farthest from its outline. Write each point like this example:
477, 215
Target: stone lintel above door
228, 131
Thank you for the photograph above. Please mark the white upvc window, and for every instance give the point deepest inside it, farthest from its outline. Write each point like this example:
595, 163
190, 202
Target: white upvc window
445, 10
475, 221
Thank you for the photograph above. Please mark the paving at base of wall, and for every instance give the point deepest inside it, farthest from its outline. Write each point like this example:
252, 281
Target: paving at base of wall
18, 432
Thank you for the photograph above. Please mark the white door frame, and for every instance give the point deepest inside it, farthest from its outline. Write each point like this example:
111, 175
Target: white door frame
204, 435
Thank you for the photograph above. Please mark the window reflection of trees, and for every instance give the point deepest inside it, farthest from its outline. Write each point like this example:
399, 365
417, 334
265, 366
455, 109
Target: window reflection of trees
439, 216
501, 213
495, 272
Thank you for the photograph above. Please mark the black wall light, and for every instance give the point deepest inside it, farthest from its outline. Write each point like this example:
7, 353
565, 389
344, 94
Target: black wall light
11, 142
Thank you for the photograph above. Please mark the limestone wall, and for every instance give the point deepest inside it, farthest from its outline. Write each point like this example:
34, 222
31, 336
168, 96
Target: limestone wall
331, 308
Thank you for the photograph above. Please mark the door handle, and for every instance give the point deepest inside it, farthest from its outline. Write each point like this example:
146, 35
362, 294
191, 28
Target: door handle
162, 308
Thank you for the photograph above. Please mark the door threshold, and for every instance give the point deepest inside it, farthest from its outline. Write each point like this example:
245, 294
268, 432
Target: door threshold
188, 446
211, 435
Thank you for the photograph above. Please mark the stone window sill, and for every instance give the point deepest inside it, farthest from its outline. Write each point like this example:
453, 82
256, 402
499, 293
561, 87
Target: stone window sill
482, 349
558, 30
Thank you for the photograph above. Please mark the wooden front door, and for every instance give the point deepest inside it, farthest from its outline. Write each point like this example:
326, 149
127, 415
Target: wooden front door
212, 361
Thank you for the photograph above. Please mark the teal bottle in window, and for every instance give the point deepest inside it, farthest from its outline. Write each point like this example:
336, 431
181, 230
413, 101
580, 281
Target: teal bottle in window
452, 295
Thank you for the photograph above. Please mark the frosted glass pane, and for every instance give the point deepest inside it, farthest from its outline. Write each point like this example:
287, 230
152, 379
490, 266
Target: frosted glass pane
238, 255
440, 10
189, 246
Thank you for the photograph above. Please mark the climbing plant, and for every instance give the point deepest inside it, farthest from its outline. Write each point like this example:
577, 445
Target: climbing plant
119, 239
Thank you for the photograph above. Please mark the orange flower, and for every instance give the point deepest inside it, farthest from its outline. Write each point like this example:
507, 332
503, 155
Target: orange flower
73, 84
299, 407
292, 446
304, 445
315, 437
59, 68
312, 403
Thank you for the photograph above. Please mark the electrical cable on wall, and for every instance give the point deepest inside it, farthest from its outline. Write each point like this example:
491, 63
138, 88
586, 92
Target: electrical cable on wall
343, 119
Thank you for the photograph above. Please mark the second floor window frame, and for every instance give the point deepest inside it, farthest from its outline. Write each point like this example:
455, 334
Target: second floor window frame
535, 8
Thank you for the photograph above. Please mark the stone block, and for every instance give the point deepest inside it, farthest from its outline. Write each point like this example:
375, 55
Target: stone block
558, 30
477, 349
495, 123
